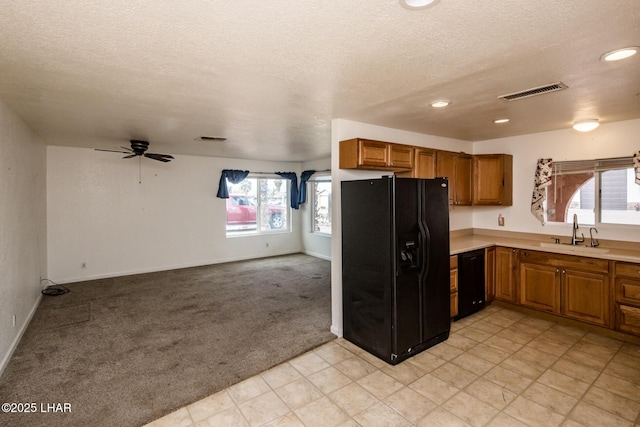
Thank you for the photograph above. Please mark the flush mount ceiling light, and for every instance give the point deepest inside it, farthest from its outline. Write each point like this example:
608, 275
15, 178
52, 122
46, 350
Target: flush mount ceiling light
618, 54
417, 4
586, 125
498, 121
441, 103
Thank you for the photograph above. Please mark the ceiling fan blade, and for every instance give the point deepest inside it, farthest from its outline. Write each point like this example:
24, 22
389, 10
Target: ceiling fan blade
113, 151
130, 156
160, 157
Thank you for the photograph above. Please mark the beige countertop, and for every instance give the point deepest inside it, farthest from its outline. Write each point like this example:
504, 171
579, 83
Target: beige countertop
459, 244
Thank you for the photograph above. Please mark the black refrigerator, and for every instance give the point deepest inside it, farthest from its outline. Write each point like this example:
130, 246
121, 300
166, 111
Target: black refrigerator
395, 265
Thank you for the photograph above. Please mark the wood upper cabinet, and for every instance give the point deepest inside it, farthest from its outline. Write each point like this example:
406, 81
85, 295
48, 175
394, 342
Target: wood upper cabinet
493, 179
361, 153
457, 167
627, 297
424, 164
573, 286
506, 264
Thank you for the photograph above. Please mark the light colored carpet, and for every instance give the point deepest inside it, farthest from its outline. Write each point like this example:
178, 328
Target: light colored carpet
125, 351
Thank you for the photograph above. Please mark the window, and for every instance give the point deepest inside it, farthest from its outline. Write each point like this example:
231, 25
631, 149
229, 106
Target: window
597, 191
321, 204
258, 205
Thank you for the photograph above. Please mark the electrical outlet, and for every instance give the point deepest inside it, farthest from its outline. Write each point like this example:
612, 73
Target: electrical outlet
500, 220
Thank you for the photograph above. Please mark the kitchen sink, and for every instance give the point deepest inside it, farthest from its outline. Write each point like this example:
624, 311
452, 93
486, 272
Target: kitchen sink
573, 248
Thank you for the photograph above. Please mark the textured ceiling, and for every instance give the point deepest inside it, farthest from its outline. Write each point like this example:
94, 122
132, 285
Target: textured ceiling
270, 76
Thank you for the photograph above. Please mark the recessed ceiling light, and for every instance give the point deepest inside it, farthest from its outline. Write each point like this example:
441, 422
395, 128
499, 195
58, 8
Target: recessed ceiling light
618, 54
417, 4
498, 121
440, 103
586, 125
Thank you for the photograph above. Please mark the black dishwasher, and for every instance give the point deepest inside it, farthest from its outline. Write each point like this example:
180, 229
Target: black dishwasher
470, 282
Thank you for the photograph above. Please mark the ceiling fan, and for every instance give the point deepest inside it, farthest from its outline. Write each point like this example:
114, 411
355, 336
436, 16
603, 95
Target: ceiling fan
139, 148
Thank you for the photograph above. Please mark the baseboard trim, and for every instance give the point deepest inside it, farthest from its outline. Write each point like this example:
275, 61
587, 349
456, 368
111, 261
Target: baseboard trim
569, 322
14, 345
317, 255
168, 268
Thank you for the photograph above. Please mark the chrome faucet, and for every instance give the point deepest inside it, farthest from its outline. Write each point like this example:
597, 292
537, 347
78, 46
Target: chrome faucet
574, 238
594, 242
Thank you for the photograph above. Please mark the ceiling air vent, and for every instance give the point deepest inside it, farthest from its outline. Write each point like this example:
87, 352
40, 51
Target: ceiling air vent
210, 138
553, 87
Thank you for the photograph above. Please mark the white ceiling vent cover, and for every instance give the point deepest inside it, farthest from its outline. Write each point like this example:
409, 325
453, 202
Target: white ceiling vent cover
553, 87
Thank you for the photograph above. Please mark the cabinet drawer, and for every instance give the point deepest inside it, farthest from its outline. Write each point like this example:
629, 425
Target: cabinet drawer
627, 290
566, 261
628, 319
628, 270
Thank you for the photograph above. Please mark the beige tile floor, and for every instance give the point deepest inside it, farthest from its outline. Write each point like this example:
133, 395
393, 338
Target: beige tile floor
498, 368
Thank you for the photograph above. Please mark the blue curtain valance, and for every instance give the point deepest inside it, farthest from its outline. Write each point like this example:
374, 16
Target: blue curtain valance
302, 194
294, 187
234, 176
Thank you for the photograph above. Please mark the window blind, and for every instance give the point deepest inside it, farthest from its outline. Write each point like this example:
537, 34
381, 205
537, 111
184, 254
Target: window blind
597, 165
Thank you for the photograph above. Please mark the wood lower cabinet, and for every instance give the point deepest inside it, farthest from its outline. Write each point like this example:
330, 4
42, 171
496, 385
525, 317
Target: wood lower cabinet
506, 267
490, 274
453, 284
540, 287
585, 296
627, 297
572, 286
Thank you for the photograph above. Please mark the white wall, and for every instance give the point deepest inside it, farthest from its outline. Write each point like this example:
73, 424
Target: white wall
459, 217
314, 244
101, 217
617, 139
22, 227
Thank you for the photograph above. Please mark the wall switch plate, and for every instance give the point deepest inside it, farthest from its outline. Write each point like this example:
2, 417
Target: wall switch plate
13, 319
500, 221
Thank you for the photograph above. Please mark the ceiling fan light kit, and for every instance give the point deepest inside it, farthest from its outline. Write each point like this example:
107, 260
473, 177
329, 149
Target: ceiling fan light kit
139, 148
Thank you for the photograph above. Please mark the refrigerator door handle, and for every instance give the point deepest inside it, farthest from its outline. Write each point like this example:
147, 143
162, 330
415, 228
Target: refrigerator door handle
426, 247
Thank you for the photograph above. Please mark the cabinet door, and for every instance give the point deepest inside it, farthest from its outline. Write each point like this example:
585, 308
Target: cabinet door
505, 277
373, 153
457, 168
463, 177
490, 274
445, 167
400, 156
425, 163
540, 287
493, 179
585, 296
